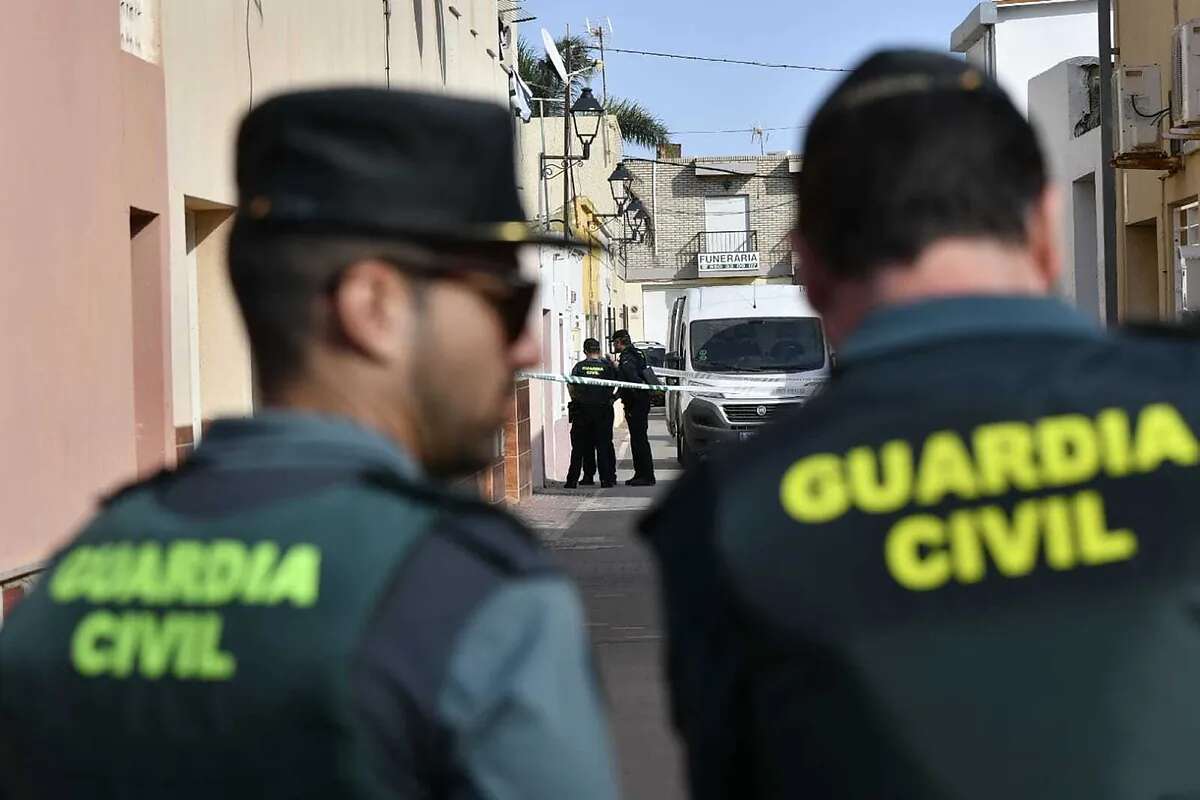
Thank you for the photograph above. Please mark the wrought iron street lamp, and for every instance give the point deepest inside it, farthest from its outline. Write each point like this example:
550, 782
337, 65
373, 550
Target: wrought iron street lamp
587, 114
621, 182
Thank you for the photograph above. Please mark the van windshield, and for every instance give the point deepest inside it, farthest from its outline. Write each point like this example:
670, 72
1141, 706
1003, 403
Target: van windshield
769, 344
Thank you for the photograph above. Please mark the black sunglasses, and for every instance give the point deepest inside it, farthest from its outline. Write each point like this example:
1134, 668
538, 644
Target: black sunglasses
494, 280
511, 296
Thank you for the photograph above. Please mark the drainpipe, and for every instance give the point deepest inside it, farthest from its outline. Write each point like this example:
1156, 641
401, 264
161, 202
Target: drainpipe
1108, 174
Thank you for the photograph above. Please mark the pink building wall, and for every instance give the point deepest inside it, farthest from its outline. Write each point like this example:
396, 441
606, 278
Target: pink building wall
84, 355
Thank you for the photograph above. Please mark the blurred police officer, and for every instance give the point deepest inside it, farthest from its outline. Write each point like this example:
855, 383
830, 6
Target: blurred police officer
591, 414
968, 569
303, 610
631, 368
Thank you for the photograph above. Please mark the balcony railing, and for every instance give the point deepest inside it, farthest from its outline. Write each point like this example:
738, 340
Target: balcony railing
728, 242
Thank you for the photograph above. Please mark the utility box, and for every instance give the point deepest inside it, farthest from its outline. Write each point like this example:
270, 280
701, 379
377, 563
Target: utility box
1140, 112
1185, 94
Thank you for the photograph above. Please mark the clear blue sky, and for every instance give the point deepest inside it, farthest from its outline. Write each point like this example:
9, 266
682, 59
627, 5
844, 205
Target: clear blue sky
692, 96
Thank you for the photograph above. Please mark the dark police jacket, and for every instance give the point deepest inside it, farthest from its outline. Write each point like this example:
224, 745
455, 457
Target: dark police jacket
629, 369
296, 613
593, 395
969, 568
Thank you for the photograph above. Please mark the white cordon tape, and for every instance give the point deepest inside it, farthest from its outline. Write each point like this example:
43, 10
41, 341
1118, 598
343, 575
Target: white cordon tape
689, 388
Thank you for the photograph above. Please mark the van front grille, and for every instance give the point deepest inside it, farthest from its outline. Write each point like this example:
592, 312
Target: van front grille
748, 413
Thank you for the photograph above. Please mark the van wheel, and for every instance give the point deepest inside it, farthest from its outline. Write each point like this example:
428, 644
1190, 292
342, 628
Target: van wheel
687, 459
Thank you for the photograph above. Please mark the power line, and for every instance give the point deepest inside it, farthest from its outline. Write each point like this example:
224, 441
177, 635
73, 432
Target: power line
741, 130
682, 57
249, 57
706, 215
387, 43
705, 165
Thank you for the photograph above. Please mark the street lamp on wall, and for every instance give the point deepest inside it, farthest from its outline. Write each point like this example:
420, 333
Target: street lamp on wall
621, 184
587, 114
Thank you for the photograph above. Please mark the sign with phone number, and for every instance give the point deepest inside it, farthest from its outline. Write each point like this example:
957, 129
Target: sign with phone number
734, 263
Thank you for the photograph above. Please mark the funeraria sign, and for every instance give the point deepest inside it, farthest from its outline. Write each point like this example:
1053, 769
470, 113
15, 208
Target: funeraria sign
728, 262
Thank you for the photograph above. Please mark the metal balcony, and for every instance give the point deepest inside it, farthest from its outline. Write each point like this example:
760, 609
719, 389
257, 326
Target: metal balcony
728, 242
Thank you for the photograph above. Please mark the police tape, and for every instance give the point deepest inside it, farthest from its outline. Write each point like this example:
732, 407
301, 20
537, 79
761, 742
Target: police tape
705, 391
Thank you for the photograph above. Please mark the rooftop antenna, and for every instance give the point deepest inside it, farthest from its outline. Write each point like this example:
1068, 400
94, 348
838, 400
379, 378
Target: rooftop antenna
758, 132
598, 32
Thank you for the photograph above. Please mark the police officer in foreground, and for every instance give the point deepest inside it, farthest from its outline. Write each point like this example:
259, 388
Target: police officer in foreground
631, 368
591, 413
968, 568
303, 609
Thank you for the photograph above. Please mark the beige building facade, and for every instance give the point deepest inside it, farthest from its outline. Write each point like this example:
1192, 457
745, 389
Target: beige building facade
583, 291
218, 62
118, 330
1158, 216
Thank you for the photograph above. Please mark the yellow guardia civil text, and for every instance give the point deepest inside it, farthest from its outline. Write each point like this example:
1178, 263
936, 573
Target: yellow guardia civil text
157, 638
925, 551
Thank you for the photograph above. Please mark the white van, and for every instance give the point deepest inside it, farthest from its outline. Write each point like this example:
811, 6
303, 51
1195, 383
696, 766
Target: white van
752, 352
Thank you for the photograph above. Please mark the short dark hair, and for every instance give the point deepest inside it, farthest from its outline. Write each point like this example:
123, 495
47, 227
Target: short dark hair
911, 148
277, 276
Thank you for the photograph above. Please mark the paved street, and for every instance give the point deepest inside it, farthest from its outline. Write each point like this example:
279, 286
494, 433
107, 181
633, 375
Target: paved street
591, 532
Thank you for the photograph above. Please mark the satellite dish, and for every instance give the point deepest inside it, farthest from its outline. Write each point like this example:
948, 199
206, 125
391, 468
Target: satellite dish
552, 54
520, 97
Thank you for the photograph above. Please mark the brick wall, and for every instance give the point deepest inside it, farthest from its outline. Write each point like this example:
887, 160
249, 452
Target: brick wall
674, 196
518, 447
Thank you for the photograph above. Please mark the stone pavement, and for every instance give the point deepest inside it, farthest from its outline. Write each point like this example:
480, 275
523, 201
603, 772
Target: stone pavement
590, 532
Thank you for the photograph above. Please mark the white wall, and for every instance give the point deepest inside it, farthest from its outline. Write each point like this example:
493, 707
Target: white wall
294, 44
1026, 39
1027, 47
560, 275
656, 311
1057, 100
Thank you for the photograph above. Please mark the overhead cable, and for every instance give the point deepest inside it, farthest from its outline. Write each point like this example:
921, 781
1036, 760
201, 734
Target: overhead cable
740, 130
709, 165
682, 57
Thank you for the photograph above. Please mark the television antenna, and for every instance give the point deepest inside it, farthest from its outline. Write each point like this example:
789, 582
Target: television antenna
761, 134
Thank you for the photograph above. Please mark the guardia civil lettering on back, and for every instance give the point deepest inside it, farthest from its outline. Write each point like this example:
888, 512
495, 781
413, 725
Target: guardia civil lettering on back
591, 417
304, 608
965, 569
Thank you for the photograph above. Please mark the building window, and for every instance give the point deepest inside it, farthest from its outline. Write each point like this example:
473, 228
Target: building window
727, 224
1186, 225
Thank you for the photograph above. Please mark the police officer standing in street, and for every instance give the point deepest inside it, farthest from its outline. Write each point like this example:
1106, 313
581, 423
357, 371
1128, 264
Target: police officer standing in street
304, 609
631, 368
591, 414
967, 568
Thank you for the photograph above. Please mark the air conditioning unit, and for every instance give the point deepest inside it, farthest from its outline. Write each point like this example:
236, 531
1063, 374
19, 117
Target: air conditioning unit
1139, 90
1185, 94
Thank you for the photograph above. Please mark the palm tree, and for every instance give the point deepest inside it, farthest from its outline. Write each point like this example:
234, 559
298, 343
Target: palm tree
638, 124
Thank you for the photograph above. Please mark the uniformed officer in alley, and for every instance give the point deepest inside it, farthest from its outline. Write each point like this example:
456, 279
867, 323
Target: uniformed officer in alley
632, 367
969, 567
304, 609
591, 415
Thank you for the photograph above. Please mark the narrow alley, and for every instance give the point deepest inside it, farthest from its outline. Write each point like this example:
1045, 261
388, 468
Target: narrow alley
591, 532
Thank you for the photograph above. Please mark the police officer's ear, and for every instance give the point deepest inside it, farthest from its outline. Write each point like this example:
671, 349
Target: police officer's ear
1045, 241
373, 310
